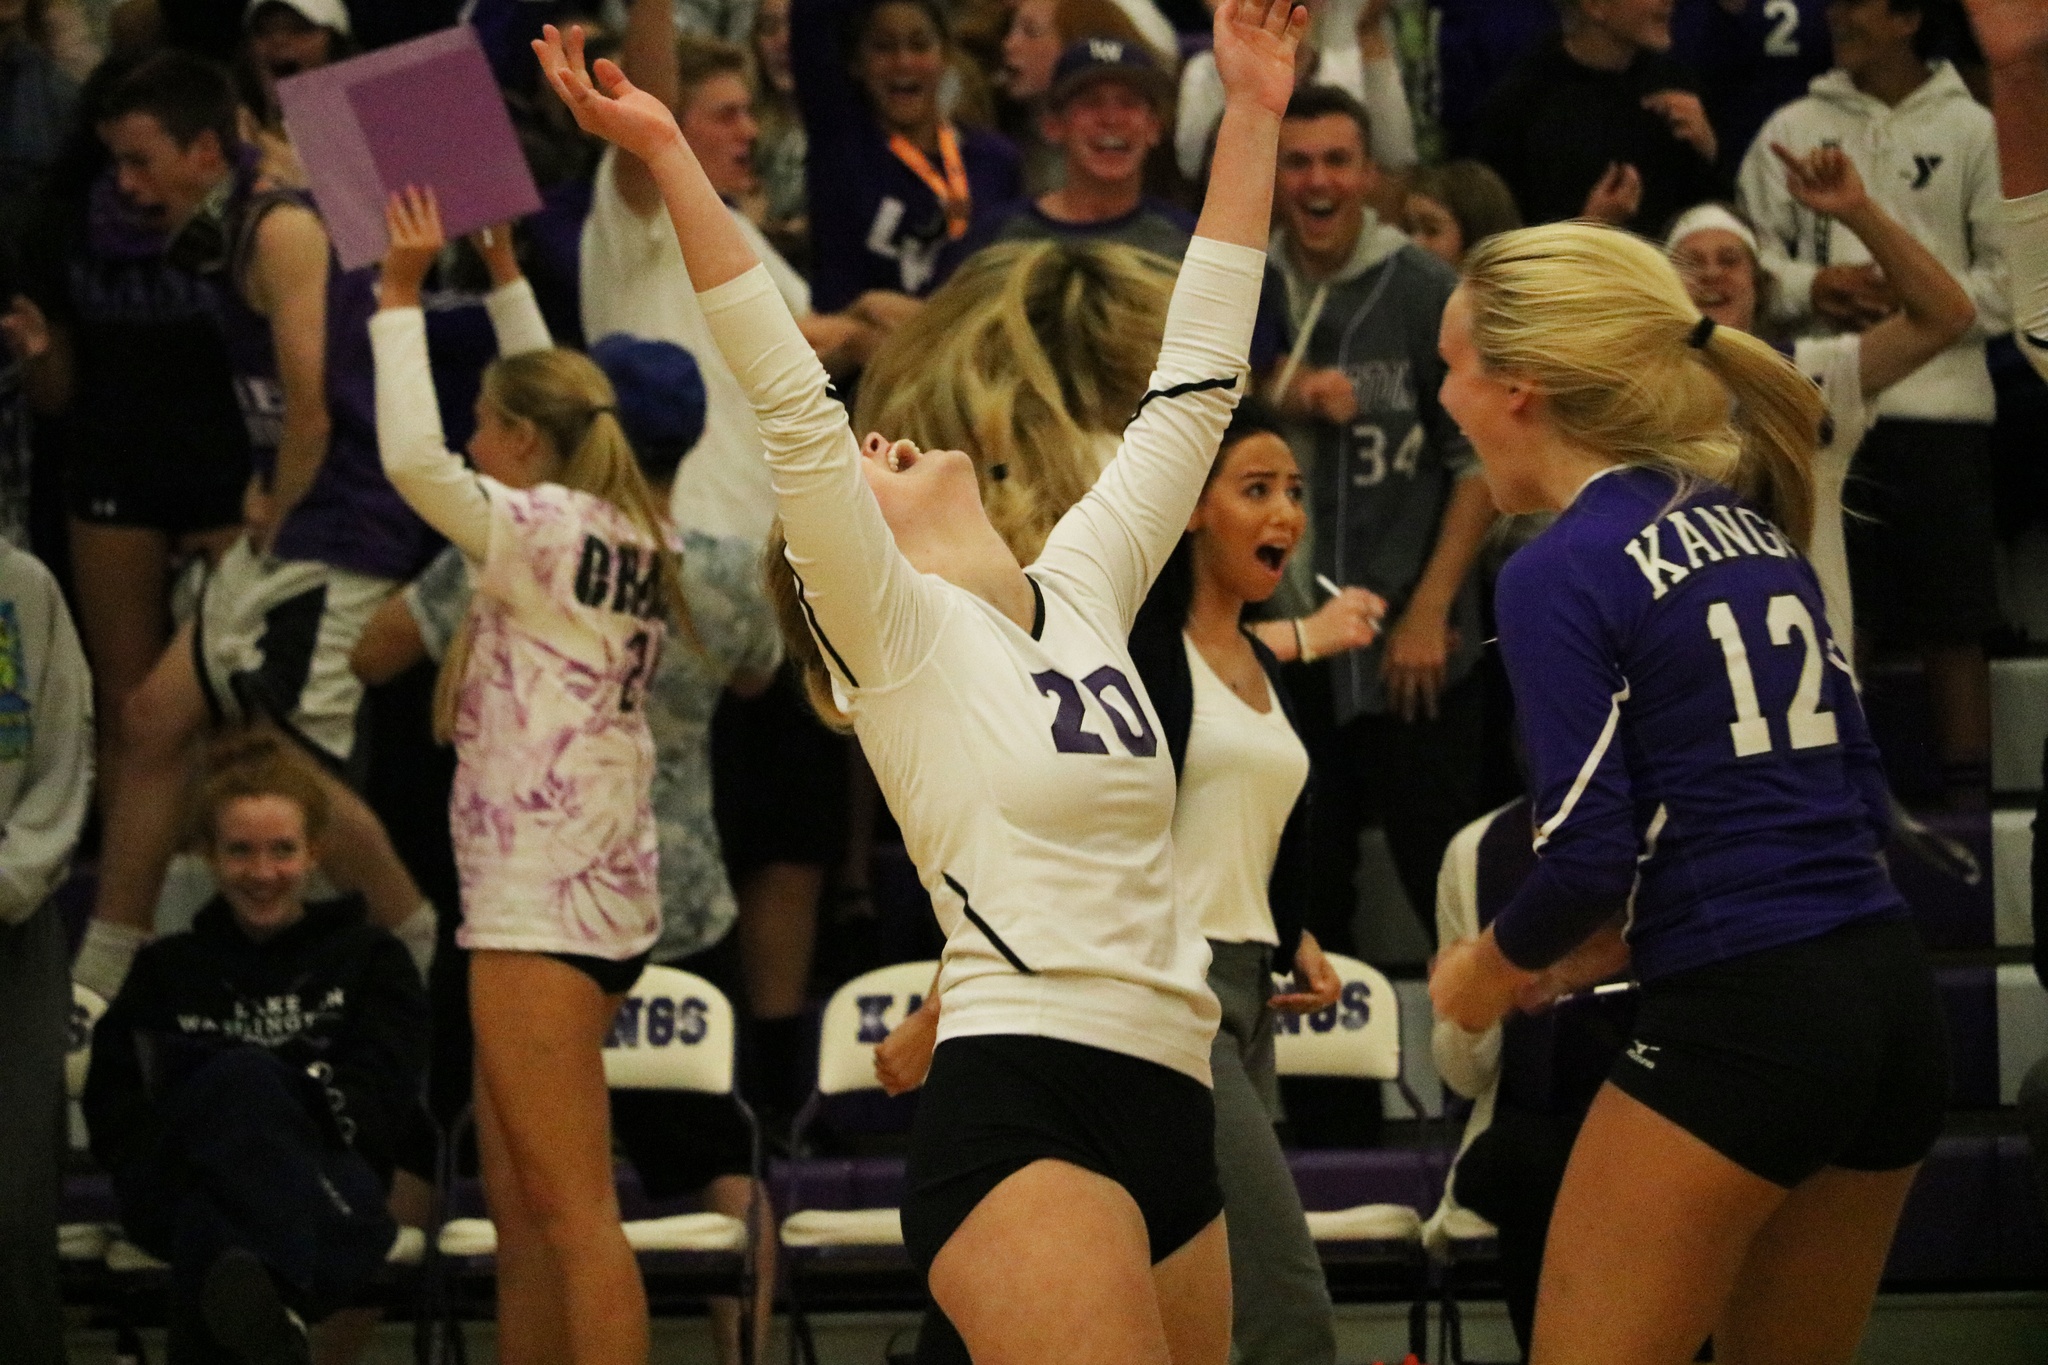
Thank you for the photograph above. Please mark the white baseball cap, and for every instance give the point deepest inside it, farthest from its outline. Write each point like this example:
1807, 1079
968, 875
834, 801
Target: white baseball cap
326, 13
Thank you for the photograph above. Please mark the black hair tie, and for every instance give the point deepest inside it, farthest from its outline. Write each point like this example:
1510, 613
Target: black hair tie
997, 473
1701, 332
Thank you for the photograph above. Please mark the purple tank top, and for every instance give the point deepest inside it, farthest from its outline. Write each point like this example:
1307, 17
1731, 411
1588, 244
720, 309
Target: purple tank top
351, 517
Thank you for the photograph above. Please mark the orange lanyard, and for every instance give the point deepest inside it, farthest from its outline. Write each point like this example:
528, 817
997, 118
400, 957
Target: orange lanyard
952, 192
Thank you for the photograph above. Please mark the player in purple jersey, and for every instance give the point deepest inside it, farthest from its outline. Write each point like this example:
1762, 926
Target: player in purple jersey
1708, 800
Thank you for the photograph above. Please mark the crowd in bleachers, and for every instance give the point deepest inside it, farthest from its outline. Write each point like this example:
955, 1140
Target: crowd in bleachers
187, 399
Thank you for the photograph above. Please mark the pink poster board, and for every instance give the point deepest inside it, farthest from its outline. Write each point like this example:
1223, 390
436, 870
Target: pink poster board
423, 113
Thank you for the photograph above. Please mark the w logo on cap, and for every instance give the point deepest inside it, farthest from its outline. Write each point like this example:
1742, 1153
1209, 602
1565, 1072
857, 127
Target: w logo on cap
1105, 49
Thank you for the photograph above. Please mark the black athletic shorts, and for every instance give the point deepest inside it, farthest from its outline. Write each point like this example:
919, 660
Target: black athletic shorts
680, 1142
613, 976
1828, 1052
778, 781
994, 1104
1920, 534
174, 483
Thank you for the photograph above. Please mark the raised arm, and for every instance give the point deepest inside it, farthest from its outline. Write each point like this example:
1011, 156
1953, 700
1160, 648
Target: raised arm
2014, 37
870, 610
432, 478
1112, 544
1935, 308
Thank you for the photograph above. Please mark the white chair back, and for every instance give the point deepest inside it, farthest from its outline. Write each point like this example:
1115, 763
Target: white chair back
1359, 1036
86, 1009
674, 1031
859, 1015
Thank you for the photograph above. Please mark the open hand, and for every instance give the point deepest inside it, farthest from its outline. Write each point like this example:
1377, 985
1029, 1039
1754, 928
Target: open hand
1824, 180
1255, 48
613, 108
1316, 983
1413, 667
413, 220
1615, 196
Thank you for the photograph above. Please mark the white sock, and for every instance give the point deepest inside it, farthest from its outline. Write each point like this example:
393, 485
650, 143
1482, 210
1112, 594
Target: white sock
106, 955
419, 932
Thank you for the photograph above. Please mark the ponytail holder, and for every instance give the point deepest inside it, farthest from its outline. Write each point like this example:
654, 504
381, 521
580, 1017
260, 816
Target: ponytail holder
612, 408
1701, 332
998, 472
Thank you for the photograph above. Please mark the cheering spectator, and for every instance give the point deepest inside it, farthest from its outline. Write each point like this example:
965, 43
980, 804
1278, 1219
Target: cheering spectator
1105, 111
1039, 32
256, 1080
130, 356
45, 786
1598, 121
1453, 207
1921, 552
1357, 60
1397, 506
327, 534
895, 185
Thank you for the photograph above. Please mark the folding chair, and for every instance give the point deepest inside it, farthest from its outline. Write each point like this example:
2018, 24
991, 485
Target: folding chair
674, 1031
1359, 1037
859, 1247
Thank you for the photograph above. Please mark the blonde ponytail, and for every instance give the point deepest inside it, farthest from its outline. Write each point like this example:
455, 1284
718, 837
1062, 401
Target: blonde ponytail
1599, 322
568, 400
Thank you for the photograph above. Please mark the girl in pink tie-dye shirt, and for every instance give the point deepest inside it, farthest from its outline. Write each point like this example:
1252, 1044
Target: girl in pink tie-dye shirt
554, 833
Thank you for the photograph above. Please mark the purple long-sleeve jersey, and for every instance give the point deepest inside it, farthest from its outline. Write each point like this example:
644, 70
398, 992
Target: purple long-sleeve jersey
1697, 752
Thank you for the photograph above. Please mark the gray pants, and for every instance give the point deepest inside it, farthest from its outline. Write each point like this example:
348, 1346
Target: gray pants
35, 1011
1280, 1301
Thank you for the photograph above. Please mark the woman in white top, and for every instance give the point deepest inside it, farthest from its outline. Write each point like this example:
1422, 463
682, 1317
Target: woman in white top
1241, 853
1716, 254
1063, 1194
555, 840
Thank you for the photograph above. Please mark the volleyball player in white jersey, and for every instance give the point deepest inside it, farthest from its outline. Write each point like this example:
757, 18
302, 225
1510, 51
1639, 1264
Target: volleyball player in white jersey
1063, 1191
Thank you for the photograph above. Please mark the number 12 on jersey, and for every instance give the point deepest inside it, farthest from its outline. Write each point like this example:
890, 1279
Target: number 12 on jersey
1806, 724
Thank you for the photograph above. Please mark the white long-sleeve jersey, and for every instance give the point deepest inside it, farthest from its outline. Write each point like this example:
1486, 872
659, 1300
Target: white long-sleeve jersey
1932, 163
1025, 767
2025, 242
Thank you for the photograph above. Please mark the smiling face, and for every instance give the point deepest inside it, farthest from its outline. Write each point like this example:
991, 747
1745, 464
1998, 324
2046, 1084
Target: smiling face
1324, 177
1106, 128
718, 123
1719, 275
1495, 411
1435, 229
1031, 49
899, 61
165, 180
1250, 518
261, 856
